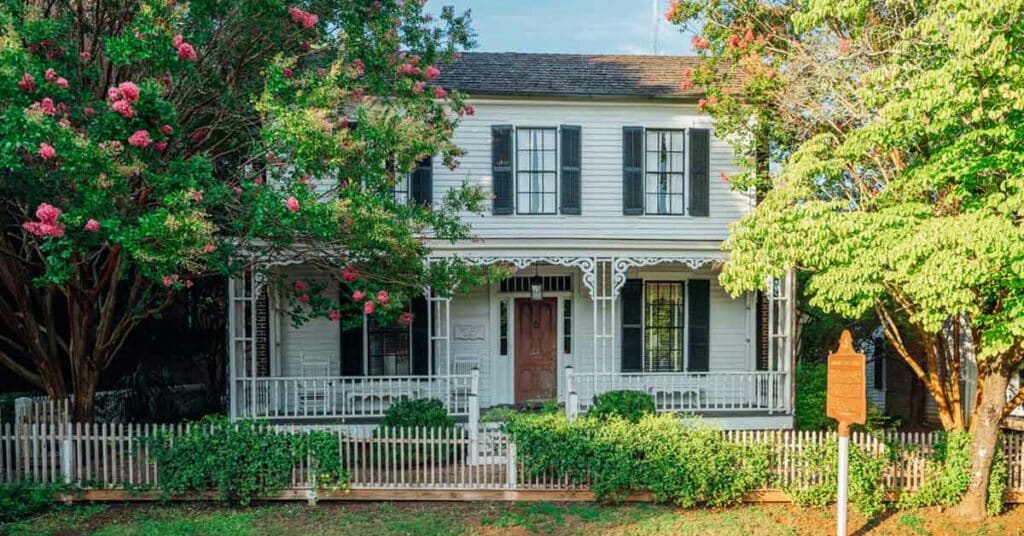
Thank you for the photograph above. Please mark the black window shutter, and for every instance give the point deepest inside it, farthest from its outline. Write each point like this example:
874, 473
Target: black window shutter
420, 337
632, 170
700, 163
632, 296
699, 324
878, 356
501, 169
351, 342
421, 184
572, 157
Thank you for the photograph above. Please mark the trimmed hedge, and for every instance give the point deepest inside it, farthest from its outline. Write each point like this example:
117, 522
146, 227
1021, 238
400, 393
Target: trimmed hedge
629, 405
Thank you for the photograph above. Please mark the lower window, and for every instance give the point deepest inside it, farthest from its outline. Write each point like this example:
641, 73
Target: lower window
387, 349
663, 327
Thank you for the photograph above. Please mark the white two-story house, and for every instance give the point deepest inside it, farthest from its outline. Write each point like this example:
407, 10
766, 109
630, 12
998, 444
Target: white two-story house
607, 195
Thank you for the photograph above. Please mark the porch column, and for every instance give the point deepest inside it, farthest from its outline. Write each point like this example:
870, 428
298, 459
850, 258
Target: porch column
781, 326
242, 342
439, 327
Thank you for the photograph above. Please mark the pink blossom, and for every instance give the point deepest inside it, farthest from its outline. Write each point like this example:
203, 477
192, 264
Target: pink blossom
418, 87
140, 139
333, 315
350, 273
177, 40
209, 248
196, 195
188, 283
405, 318
47, 225
46, 152
92, 225
699, 43
673, 5
686, 85
303, 18
62, 83
186, 52
27, 83
292, 204
357, 94
383, 297
343, 123
431, 72
844, 46
723, 176
304, 45
47, 106
408, 68
168, 281
358, 296
304, 298
129, 91
160, 146
360, 67
85, 55
467, 110
50, 75
439, 92
167, 130
237, 189
124, 108
113, 94
288, 72
368, 307
299, 285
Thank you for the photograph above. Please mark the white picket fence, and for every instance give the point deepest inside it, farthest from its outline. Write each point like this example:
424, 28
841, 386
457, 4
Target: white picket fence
111, 456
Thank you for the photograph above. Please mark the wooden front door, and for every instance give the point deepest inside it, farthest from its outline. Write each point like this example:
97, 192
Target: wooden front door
536, 343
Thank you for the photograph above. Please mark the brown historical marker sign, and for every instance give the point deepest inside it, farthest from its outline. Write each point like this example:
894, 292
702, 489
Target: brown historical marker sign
846, 398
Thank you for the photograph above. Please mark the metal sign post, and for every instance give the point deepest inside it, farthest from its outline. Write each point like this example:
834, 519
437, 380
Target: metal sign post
846, 402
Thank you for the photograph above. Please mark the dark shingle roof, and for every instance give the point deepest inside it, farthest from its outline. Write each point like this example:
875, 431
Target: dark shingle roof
569, 75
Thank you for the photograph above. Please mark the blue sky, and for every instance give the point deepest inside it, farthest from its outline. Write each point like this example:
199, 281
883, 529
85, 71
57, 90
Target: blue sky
571, 26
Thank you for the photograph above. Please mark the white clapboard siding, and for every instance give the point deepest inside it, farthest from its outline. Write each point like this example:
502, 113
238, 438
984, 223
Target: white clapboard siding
601, 124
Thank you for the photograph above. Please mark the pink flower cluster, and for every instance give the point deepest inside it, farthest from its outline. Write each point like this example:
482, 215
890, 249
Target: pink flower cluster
439, 92
673, 5
92, 226
47, 225
140, 138
431, 72
707, 103
185, 50
360, 67
55, 79
405, 318
350, 273
292, 204
699, 43
27, 83
687, 82
170, 280
122, 97
45, 106
46, 151
303, 18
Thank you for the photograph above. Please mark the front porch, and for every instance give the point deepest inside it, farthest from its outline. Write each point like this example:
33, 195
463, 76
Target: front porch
660, 325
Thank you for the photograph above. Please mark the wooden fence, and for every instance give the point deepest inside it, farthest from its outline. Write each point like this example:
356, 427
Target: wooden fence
107, 456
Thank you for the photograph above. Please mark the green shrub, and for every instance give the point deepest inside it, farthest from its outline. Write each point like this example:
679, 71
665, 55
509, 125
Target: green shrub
811, 387
242, 460
416, 414
629, 405
820, 463
948, 472
23, 500
409, 418
682, 462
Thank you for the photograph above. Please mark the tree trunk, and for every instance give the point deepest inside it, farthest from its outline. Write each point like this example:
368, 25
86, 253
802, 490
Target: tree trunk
86, 381
988, 413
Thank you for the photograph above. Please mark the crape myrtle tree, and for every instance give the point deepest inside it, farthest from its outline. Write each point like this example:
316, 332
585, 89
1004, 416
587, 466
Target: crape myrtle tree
887, 141
147, 144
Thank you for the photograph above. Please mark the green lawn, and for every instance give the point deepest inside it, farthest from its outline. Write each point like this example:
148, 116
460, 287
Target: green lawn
383, 519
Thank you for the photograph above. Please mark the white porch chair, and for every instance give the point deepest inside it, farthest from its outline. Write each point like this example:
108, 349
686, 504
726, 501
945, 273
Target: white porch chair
462, 365
314, 388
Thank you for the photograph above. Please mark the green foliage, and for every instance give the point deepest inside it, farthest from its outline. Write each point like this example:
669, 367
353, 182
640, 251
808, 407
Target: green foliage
242, 460
949, 475
417, 413
811, 383
948, 470
629, 405
498, 414
679, 461
24, 499
820, 464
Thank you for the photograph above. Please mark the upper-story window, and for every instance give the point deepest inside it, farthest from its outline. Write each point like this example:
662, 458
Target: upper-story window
665, 171
665, 179
416, 185
536, 172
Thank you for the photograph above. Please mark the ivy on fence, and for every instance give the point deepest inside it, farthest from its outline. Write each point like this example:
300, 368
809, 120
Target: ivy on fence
243, 460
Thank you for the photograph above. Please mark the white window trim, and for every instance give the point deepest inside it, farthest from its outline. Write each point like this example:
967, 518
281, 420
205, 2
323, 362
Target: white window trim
686, 171
558, 169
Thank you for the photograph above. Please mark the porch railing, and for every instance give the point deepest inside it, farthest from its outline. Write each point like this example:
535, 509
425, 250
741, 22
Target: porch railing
340, 397
690, 392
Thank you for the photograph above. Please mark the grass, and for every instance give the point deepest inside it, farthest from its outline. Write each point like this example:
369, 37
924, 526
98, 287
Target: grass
448, 519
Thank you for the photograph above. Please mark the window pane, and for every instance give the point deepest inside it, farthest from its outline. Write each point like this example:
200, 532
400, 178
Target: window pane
387, 349
567, 326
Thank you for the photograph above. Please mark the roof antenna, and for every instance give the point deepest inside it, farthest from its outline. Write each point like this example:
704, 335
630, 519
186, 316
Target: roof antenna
654, 22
